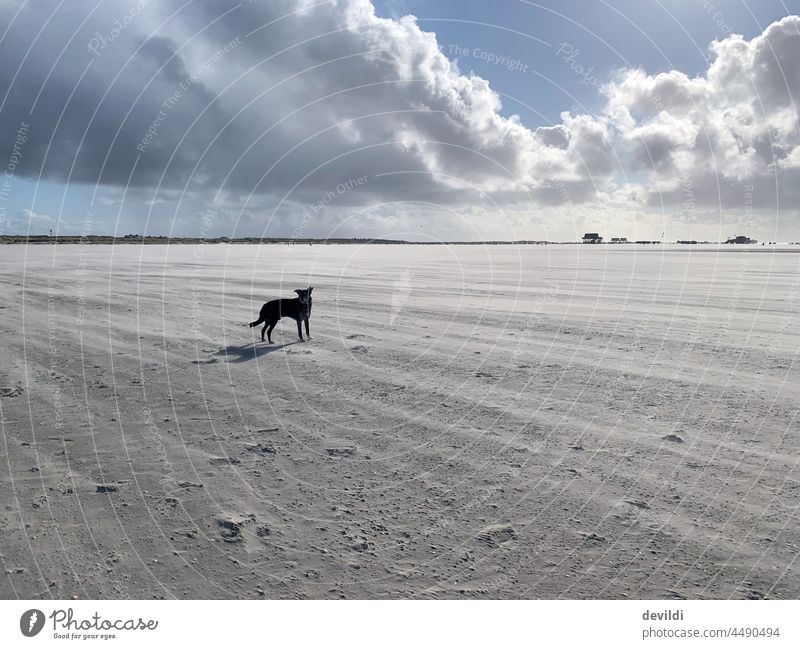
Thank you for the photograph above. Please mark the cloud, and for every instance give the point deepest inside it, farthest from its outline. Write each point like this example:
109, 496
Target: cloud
318, 94
733, 127
26, 220
266, 106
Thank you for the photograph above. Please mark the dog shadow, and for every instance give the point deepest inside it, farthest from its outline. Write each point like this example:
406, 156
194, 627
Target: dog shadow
248, 352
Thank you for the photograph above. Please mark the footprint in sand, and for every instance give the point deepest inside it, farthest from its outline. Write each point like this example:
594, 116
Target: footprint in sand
187, 484
231, 528
341, 451
261, 449
593, 539
495, 535
216, 461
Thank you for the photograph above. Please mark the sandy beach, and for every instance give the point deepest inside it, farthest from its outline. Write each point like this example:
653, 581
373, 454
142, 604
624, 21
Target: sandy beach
466, 422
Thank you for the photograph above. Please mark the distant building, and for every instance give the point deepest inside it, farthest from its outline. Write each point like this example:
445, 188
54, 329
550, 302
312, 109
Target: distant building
619, 240
741, 239
592, 237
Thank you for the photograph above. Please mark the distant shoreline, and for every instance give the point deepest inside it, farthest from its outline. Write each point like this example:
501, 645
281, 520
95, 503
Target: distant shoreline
154, 240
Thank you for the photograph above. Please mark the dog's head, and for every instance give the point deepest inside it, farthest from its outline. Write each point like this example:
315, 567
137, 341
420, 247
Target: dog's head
304, 294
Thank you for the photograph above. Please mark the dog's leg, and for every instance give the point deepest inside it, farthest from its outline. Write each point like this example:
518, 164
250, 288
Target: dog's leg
264, 329
269, 333
300, 330
308, 334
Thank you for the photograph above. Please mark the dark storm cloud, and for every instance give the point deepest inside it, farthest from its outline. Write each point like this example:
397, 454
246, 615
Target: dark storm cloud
288, 98
309, 96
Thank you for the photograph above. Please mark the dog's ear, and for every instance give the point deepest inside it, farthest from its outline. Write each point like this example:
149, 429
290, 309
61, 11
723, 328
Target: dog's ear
310, 288
297, 290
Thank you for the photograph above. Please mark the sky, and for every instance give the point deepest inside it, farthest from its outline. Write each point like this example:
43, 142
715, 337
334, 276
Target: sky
403, 119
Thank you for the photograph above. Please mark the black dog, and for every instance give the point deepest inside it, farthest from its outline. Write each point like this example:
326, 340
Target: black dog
299, 308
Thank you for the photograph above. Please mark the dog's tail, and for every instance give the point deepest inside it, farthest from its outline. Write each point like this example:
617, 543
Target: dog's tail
257, 322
